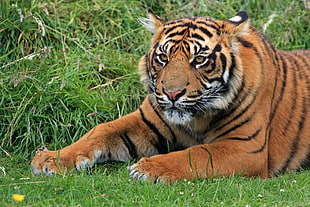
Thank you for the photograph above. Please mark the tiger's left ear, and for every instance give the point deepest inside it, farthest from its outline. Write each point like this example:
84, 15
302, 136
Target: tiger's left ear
237, 25
240, 18
154, 23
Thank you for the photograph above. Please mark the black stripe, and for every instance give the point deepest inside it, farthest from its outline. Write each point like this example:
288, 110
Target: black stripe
277, 69
177, 21
162, 144
232, 65
199, 93
202, 29
223, 61
242, 99
155, 46
303, 58
183, 50
244, 42
197, 36
304, 113
190, 25
182, 32
294, 147
270, 48
175, 41
189, 102
196, 49
247, 138
260, 149
217, 48
216, 27
173, 49
283, 86
173, 28
293, 104
205, 48
187, 45
183, 23
164, 46
130, 146
206, 31
174, 139
203, 84
213, 65
232, 128
219, 79
301, 68
186, 50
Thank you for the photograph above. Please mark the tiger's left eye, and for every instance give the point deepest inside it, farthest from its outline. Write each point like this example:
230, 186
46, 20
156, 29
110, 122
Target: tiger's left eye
200, 59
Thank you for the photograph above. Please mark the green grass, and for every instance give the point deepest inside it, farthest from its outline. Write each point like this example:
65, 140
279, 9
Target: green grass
109, 185
78, 69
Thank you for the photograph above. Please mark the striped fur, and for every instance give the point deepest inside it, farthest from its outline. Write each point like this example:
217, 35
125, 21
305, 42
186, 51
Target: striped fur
221, 100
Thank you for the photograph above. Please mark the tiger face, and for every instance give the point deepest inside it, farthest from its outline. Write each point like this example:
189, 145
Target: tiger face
192, 67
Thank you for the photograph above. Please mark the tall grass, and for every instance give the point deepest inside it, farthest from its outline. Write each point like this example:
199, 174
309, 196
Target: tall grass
67, 66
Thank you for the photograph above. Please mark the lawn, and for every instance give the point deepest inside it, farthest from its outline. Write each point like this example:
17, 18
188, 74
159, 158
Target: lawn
110, 185
66, 66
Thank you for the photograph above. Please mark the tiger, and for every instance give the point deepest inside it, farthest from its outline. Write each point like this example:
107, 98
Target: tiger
221, 101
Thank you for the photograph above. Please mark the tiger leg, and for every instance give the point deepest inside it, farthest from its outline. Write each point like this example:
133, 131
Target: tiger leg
119, 140
210, 160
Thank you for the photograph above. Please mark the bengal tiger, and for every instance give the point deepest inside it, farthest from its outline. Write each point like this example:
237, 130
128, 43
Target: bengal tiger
221, 100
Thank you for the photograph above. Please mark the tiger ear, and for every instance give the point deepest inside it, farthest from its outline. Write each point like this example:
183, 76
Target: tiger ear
153, 23
240, 18
237, 25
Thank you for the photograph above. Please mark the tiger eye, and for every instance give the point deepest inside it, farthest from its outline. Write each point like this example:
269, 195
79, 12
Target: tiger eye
163, 57
200, 59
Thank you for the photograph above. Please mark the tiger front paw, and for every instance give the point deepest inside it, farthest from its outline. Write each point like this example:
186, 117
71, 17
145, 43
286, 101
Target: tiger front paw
47, 162
159, 169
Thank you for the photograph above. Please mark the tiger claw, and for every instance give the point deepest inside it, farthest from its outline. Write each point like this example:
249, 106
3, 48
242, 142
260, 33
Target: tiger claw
83, 163
136, 174
47, 171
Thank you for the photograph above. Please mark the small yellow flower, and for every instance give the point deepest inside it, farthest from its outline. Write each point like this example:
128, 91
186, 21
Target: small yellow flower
18, 198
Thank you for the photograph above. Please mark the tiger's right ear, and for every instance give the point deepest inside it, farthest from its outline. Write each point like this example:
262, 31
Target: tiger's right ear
154, 23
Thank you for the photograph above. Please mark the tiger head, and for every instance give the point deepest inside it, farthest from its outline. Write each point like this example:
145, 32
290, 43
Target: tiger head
193, 67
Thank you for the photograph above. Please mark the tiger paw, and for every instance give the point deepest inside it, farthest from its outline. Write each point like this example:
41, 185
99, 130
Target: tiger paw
44, 162
157, 169
47, 162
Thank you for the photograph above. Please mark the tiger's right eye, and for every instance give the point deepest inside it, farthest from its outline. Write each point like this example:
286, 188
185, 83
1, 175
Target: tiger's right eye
162, 58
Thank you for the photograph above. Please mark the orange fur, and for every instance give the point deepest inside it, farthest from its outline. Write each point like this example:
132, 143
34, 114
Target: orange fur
219, 95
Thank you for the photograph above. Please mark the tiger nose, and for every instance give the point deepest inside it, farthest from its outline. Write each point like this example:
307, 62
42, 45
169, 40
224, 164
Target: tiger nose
174, 95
